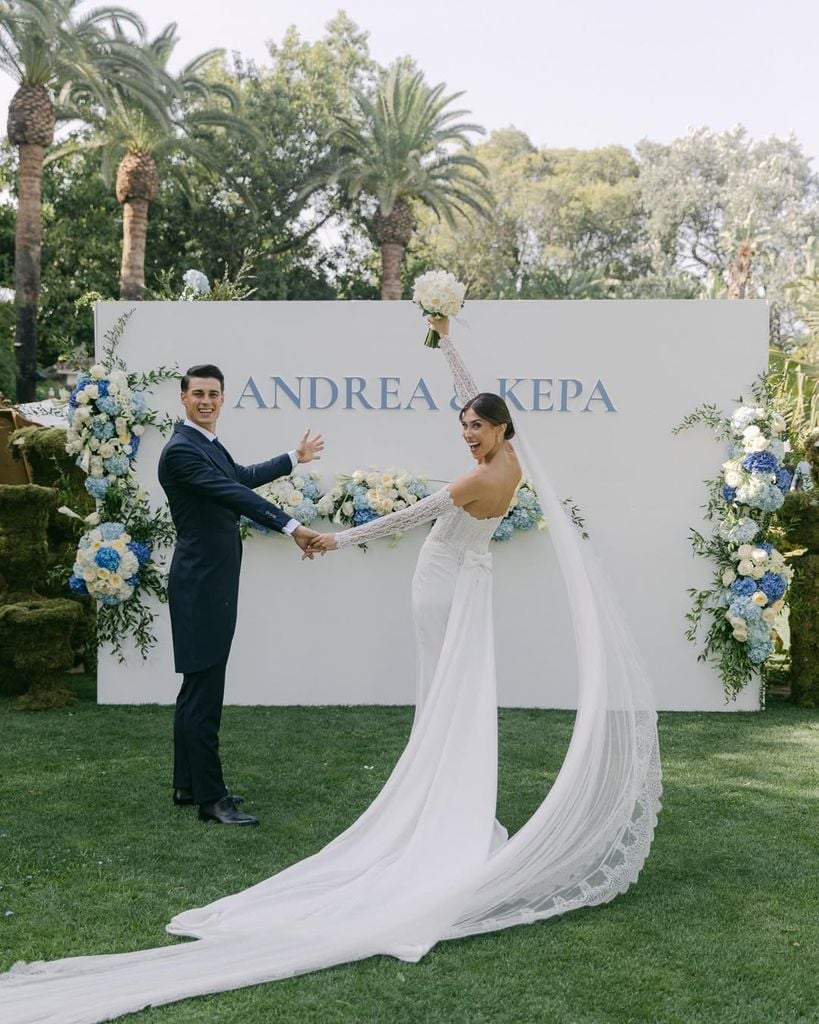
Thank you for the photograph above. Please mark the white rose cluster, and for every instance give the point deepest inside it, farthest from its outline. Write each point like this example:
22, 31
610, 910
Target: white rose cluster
439, 293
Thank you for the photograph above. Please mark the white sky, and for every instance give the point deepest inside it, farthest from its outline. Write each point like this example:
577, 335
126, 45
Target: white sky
570, 73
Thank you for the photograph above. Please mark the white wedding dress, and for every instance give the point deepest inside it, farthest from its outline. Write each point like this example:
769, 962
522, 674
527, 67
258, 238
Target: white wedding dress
427, 860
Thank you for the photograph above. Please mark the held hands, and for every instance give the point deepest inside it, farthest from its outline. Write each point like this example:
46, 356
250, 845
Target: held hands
304, 536
309, 448
321, 543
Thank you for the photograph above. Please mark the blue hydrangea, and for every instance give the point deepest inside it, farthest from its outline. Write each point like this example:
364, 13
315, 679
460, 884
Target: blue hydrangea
142, 551
77, 585
520, 519
117, 464
783, 479
311, 489
109, 405
305, 512
744, 586
97, 487
744, 608
364, 515
361, 502
526, 498
769, 500
772, 585
103, 429
107, 558
102, 388
760, 651
133, 581
766, 547
138, 403
729, 493
760, 462
417, 488
109, 599
504, 530
110, 531
134, 443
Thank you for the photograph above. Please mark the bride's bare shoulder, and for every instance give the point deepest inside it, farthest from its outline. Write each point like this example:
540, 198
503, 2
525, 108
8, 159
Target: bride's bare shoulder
469, 487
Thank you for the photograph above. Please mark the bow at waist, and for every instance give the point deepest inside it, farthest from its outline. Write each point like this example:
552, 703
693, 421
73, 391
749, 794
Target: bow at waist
478, 560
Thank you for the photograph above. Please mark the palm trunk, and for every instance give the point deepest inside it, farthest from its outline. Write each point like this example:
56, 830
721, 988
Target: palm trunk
134, 234
391, 256
27, 247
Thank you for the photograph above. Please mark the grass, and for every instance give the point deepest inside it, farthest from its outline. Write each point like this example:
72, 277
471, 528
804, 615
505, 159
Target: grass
723, 926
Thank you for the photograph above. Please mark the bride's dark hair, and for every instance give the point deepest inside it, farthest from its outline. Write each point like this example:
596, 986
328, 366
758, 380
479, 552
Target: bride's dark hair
493, 409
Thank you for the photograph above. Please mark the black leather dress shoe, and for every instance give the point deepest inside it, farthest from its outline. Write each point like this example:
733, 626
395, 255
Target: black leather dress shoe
225, 812
184, 798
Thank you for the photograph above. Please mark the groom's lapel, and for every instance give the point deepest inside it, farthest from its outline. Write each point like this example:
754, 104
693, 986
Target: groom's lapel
215, 452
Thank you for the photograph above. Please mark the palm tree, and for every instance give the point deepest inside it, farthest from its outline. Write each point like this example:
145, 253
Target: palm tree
143, 130
395, 152
48, 48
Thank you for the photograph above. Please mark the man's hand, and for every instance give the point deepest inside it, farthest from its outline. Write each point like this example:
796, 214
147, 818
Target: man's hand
304, 536
309, 448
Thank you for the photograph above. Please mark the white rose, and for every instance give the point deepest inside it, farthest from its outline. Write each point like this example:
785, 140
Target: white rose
728, 577
760, 598
97, 371
348, 508
92, 391
358, 476
294, 497
106, 450
398, 504
768, 615
758, 444
732, 478
373, 479
137, 429
757, 572
750, 432
745, 567
740, 634
83, 397
759, 555
412, 498
744, 551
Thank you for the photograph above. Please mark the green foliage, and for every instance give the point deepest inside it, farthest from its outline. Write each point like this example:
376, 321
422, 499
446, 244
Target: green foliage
7, 367
37, 643
24, 559
564, 223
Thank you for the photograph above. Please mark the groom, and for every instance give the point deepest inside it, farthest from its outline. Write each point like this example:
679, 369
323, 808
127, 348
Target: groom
207, 492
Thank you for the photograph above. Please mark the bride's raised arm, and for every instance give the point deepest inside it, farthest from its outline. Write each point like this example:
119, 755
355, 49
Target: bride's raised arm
465, 386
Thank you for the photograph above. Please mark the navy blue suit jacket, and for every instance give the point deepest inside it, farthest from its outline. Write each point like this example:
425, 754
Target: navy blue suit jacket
207, 493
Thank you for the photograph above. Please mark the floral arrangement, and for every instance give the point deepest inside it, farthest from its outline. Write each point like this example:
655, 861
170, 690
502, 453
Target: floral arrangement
297, 495
106, 418
108, 564
439, 294
196, 284
524, 513
364, 495
747, 600
108, 413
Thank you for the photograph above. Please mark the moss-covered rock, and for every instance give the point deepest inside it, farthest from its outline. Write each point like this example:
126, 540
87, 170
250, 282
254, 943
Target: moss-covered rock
52, 466
37, 644
24, 514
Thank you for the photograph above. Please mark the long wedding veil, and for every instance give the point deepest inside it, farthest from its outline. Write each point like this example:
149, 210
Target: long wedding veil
591, 835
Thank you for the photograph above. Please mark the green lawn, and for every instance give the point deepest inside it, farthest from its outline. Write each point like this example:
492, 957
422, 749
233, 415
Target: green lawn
722, 927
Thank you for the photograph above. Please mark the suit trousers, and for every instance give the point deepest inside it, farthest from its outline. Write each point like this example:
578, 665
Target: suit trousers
196, 764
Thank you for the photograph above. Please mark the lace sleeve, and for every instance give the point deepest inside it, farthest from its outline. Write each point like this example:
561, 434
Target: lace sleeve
465, 386
405, 519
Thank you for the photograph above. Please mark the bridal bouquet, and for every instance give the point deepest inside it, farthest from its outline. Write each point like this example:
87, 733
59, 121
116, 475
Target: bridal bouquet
524, 513
296, 495
367, 494
106, 417
438, 293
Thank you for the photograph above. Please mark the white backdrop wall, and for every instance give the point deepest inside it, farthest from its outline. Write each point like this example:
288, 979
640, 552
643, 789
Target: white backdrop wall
597, 385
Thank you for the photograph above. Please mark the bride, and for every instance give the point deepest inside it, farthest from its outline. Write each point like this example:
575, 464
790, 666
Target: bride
427, 860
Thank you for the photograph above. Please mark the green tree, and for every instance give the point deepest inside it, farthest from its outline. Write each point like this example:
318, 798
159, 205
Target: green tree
727, 216
47, 46
564, 223
393, 153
